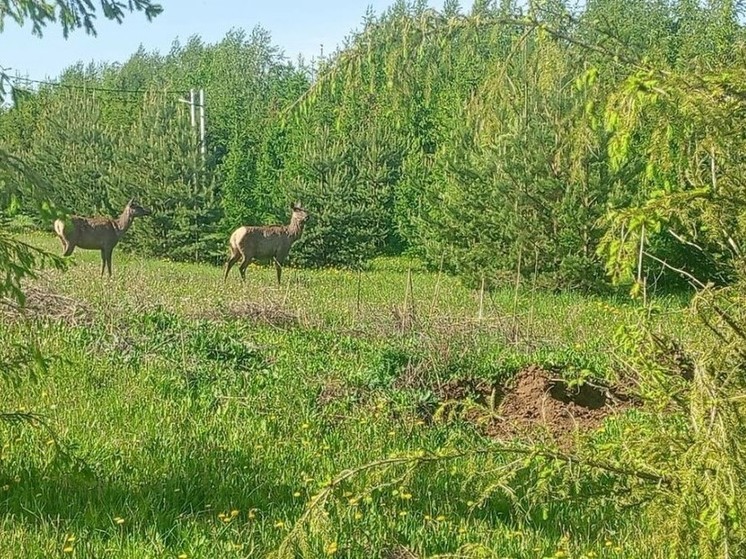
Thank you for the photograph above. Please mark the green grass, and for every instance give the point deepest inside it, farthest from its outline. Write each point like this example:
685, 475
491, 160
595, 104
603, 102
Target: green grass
196, 430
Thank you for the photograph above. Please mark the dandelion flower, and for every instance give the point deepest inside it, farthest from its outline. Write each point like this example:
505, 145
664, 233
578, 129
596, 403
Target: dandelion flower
440, 518
279, 524
234, 513
118, 520
68, 549
296, 494
331, 548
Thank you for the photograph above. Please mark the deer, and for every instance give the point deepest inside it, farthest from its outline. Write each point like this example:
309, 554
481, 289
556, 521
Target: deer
97, 233
273, 242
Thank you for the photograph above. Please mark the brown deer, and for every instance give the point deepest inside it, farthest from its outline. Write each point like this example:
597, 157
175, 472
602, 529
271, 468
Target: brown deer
97, 233
265, 242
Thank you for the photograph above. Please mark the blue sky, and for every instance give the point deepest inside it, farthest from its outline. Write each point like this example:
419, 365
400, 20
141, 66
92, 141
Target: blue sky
297, 26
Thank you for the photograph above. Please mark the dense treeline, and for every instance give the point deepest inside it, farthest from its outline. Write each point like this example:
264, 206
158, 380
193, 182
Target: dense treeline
542, 139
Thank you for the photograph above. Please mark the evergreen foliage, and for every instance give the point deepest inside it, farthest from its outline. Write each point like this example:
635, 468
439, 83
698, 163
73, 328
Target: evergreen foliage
545, 139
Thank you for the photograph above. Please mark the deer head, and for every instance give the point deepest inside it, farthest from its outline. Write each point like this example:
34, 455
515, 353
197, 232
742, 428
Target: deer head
300, 215
136, 210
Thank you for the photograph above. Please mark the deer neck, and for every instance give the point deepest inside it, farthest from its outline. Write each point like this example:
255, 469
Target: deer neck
123, 223
295, 229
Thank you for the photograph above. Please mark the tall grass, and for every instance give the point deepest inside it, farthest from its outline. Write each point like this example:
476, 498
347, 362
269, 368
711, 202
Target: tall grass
202, 418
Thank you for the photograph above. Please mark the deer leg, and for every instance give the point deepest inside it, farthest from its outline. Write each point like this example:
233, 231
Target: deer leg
103, 261
108, 260
67, 248
242, 268
235, 257
278, 269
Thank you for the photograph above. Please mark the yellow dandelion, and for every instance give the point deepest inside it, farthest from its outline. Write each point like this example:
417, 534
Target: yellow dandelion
607, 543
440, 518
118, 520
331, 548
68, 549
70, 538
183, 556
234, 513
560, 553
405, 496
279, 524
305, 425
296, 494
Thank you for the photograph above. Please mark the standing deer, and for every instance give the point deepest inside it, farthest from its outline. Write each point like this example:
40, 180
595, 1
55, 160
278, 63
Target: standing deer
97, 233
265, 242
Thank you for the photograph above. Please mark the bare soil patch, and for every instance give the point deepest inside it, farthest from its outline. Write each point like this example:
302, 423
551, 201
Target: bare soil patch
44, 304
535, 402
269, 313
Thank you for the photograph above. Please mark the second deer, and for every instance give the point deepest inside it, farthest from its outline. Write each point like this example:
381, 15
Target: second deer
271, 242
97, 233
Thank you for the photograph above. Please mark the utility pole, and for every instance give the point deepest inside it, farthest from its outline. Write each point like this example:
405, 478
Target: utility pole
202, 124
193, 104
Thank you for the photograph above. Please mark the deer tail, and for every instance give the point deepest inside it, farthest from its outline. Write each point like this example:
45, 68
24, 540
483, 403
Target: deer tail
59, 227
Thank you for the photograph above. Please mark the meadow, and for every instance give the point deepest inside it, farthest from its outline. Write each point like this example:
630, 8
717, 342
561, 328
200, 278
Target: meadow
339, 414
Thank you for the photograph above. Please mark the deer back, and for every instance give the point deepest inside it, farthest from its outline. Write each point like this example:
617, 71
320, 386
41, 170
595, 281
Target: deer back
93, 232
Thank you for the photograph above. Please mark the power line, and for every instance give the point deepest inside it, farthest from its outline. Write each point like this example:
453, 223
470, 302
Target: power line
85, 87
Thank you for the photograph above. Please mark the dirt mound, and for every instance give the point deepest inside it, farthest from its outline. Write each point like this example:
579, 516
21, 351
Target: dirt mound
534, 402
42, 304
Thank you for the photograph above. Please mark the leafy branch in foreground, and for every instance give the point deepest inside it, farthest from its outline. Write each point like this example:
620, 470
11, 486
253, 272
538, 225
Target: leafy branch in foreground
71, 14
532, 457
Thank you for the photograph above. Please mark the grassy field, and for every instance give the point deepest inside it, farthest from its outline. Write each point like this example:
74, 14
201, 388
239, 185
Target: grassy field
197, 418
